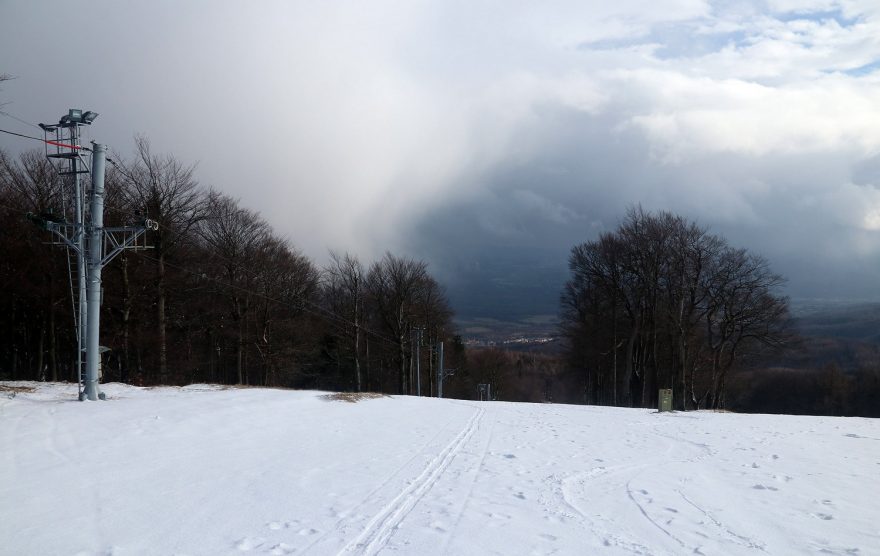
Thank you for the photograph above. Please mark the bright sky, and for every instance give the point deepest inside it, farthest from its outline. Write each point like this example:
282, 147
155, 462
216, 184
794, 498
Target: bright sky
489, 137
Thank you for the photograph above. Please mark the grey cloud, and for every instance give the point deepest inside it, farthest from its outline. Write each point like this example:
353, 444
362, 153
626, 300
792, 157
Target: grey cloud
793, 209
485, 139
867, 172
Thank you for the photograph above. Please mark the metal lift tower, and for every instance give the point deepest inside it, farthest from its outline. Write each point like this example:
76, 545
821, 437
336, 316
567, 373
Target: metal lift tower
93, 244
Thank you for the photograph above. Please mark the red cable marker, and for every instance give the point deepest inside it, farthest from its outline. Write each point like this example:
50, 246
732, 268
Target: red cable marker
56, 143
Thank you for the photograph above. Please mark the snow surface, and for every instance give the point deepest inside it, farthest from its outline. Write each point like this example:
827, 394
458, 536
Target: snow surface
207, 470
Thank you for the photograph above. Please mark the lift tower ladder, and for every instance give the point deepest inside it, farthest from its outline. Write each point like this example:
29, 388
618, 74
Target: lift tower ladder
83, 234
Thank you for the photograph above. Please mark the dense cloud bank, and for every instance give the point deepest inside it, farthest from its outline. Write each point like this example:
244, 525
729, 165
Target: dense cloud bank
489, 140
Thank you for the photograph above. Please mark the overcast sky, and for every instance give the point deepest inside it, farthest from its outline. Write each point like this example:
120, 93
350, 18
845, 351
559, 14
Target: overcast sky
489, 137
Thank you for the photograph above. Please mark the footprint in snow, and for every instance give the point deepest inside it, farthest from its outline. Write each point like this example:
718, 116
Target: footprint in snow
281, 549
764, 487
824, 517
248, 543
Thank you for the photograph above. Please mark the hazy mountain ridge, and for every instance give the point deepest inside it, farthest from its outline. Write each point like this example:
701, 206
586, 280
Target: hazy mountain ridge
857, 322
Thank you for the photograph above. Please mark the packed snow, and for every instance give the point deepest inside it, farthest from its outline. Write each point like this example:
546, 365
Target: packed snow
211, 470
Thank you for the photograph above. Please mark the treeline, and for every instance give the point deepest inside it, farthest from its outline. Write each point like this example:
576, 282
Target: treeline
220, 297
519, 376
827, 390
662, 303
816, 375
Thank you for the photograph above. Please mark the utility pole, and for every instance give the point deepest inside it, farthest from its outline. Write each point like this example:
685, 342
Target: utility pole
91, 255
418, 343
96, 236
440, 370
485, 391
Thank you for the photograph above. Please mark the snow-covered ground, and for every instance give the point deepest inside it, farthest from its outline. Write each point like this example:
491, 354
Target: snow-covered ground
205, 470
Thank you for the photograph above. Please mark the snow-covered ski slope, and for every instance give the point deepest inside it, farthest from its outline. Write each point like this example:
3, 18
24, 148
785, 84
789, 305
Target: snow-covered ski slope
205, 470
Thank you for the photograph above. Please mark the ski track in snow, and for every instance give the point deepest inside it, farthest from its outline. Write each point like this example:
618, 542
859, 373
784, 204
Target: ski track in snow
743, 540
475, 472
349, 519
208, 471
618, 477
378, 531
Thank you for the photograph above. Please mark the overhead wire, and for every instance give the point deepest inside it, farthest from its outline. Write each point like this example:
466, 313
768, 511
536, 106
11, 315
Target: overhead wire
326, 312
16, 118
323, 311
78, 147
307, 306
22, 135
47, 141
316, 309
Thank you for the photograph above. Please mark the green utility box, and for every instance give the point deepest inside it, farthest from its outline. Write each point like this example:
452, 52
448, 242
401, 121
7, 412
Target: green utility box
665, 399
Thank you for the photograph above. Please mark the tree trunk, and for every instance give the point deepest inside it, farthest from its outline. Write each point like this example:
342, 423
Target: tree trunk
239, 352
630, 367
241, 338
53, 356
357, 357
716, 363
402, 357
431, 380
614, 335
160, 317
41, 375
126, 320
682, 382
14, 365
367, 346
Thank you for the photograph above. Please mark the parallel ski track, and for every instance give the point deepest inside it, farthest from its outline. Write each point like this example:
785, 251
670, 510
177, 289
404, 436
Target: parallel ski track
375, 535
342, 525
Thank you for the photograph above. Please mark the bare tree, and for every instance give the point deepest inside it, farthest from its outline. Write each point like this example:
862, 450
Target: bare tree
166, 190
344, 285
234, 236
34, 183
394, 284
743, 313
687, 307
288, 282
693, 257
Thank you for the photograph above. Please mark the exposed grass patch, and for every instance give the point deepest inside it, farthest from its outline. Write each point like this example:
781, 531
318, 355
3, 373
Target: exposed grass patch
352, 397
16, 389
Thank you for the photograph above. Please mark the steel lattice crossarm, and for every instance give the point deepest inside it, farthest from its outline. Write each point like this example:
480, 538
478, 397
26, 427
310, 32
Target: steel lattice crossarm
116, 239
125, 237
68, 233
